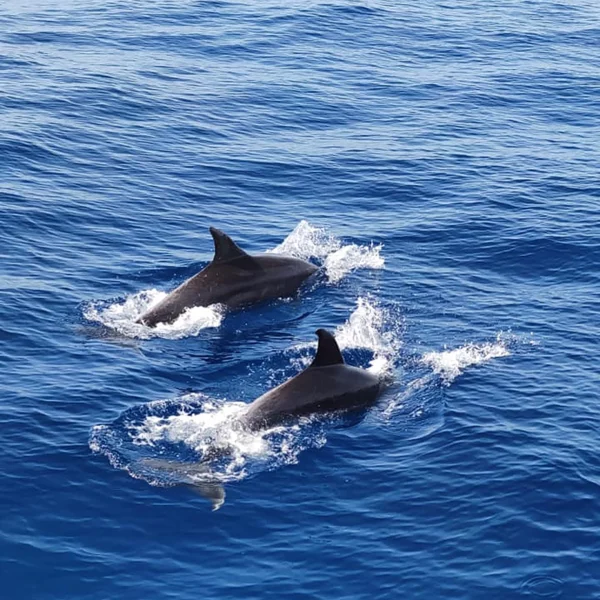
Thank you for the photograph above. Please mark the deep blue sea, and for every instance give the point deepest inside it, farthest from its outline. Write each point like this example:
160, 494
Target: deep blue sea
439, 160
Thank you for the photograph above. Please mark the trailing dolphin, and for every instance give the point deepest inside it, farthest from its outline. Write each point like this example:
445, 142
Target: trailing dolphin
326, 386
233, 278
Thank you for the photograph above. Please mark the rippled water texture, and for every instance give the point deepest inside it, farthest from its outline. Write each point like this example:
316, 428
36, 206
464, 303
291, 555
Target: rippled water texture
438, 161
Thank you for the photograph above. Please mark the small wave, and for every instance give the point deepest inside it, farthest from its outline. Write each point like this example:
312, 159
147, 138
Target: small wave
449, 364
122, 316
411, 390
307, 241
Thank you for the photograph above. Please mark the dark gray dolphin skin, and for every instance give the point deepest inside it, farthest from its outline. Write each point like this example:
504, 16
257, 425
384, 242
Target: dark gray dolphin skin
327, 385
234, 279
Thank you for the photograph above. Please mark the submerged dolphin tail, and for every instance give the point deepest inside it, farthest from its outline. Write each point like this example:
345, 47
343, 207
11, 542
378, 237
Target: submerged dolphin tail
214, 492
195, 475
328, 351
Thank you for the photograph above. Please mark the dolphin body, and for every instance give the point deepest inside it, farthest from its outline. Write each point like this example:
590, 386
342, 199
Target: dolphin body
327, 385
234, 279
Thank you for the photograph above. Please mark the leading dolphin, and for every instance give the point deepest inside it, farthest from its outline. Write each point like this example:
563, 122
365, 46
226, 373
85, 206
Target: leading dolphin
327, 385
234, 279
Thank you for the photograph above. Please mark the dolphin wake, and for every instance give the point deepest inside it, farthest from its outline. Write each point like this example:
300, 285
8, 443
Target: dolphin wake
305, 241
426, 375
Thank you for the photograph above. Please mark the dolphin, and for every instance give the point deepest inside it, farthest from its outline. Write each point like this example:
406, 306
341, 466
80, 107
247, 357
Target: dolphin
326, 385
233, 278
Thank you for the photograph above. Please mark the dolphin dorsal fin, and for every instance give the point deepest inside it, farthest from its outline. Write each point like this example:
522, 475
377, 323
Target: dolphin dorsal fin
328, 351
225, 247
226, 250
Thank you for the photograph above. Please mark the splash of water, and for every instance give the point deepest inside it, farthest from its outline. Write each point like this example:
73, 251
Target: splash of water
200, 425
449, 364
372, 327
369, 327
309, 242
306, 242
122, 317
352, 258
215, 426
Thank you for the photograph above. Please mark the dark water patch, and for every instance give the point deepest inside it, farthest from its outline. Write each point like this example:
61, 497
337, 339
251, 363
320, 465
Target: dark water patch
460, 136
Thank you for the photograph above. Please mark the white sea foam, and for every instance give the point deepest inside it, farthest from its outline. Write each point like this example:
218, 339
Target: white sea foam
309, 242
370, 327
122, 317
352, 258
217, 426
449, 364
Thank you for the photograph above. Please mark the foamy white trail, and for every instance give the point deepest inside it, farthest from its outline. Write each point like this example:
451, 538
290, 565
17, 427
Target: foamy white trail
309, 242
122, 317
449, 364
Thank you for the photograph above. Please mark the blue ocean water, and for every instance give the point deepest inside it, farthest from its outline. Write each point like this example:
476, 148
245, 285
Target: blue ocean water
438, 160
